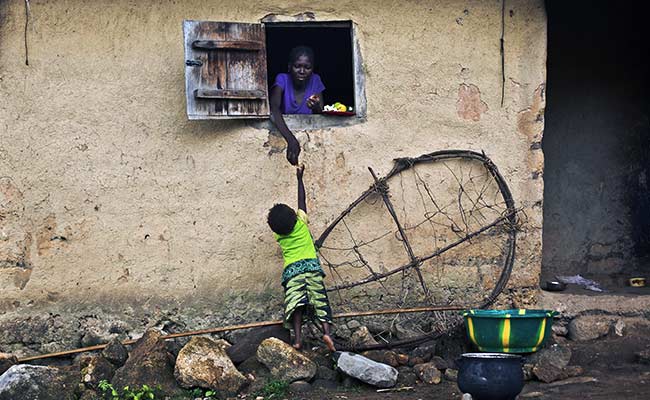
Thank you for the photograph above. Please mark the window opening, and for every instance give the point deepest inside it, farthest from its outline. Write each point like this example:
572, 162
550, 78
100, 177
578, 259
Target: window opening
333, 50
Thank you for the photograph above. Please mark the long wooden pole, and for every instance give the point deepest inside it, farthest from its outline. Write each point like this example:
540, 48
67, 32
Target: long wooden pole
246, 326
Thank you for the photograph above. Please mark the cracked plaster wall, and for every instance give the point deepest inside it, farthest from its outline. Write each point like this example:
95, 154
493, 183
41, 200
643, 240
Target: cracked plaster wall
115, 204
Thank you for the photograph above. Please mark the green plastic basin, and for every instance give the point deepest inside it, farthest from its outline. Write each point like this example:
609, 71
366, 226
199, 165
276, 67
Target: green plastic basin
508, 331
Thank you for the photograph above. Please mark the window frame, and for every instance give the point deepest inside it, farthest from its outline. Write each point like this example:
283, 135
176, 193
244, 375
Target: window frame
305, 122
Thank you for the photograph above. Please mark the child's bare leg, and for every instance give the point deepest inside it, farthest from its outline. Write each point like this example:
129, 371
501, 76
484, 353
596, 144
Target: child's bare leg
297, 328
327, 338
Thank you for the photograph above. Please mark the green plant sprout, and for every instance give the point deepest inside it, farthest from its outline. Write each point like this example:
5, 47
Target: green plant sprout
145, 392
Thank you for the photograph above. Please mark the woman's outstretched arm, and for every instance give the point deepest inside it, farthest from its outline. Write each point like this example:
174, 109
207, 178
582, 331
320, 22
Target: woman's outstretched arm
293, 147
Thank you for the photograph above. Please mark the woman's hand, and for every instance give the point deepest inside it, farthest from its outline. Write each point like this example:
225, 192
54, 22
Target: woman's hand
293, 150
314, 103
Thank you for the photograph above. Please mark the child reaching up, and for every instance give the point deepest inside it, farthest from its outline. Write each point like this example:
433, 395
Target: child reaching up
302, 278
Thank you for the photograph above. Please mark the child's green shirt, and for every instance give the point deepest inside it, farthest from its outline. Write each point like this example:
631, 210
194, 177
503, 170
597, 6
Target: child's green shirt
297, 245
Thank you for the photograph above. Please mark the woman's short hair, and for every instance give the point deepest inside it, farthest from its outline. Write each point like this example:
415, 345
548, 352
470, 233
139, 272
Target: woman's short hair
298, 51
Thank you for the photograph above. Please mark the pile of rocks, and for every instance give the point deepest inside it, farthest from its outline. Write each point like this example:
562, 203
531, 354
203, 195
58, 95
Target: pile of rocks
257, 357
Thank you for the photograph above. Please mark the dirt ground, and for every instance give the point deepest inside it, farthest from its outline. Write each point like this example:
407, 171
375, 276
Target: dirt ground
610, 362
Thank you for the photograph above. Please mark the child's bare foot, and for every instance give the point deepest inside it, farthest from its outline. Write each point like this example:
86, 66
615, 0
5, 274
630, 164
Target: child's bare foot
297, 346
329, 343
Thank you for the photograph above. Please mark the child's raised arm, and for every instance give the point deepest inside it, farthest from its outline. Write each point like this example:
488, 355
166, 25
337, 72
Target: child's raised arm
302, 204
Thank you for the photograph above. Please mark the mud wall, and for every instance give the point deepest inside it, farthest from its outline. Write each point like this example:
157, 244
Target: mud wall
596, 140
117, 212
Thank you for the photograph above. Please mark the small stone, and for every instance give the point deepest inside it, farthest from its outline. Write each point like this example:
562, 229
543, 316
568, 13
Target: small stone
343, 332
402, 359
573, 381
326, 373
299, 387
383, 356
402, 332
362, 337
413, 361
350, 382
439, 362
353, 324
223, 344
95, 369
531, 395
115, 352
7, 361
551, 362
89, 395
560, 330
588, 327
406, 378
428, 373
571, 371
325, 384
619, 327
253, 366
451, 374
424, 352
528, 372
466, 396
643, 357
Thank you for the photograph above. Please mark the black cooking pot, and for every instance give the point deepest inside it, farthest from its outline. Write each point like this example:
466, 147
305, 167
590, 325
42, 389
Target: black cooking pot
490, 376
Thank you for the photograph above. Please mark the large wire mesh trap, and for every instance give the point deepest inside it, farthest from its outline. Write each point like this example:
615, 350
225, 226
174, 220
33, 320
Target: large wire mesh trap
438, 230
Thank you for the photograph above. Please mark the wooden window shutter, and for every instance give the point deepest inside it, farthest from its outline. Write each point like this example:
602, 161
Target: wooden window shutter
225, 70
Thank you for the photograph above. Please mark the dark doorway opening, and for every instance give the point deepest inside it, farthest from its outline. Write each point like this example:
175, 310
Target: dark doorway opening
332, 45
597, 141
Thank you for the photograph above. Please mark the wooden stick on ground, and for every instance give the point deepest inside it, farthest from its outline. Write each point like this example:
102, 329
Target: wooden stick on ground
246, 326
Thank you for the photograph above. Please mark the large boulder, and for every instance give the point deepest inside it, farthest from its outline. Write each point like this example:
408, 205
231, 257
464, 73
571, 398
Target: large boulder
246, 344
366, 370
148, 364
203, 362
31, 382
285, 362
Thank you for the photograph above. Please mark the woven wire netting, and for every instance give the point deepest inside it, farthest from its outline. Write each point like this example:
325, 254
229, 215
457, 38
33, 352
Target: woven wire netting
438, 230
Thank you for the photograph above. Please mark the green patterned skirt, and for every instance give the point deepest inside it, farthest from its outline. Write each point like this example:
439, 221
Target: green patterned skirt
306, 290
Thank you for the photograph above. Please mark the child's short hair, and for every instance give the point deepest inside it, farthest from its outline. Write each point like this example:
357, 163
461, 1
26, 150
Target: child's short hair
281, 219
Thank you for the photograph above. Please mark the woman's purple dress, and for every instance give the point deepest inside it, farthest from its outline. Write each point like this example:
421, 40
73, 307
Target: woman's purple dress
289, 103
